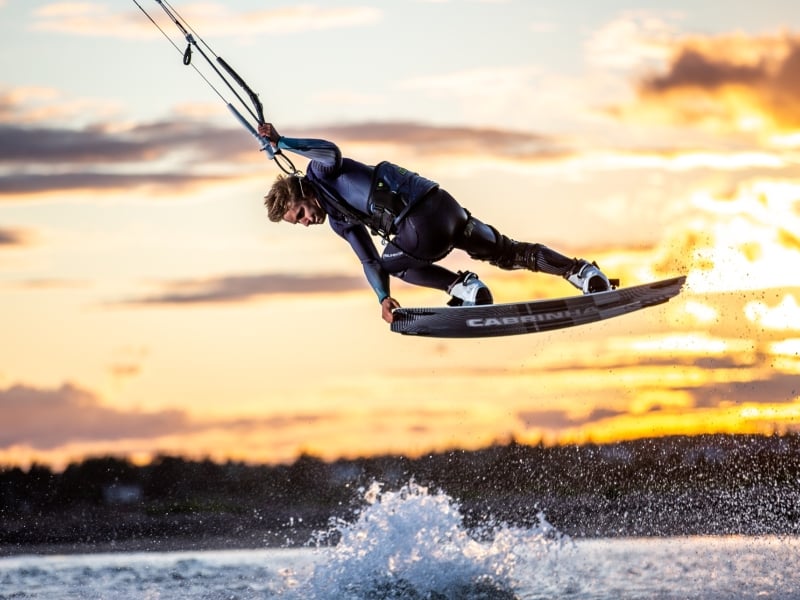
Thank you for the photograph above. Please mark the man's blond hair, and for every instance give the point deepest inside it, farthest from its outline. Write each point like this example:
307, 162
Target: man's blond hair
284, 192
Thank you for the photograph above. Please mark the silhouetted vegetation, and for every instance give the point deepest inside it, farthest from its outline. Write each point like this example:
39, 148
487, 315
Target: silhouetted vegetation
663, 486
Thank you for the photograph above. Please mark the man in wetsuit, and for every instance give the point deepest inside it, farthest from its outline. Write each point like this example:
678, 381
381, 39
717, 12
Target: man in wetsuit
420, 222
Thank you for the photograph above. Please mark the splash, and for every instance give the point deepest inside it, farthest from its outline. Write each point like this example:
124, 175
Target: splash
412, 544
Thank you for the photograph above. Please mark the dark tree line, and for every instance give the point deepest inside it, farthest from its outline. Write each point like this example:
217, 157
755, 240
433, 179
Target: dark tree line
673, 485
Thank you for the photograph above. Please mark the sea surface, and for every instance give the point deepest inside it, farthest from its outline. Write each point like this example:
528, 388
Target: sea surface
411, 544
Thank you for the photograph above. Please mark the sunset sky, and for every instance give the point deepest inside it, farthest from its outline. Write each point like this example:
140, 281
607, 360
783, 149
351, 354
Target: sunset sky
148, 306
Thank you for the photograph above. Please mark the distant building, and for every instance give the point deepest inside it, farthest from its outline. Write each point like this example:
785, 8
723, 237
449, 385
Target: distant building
343, 473
122, 493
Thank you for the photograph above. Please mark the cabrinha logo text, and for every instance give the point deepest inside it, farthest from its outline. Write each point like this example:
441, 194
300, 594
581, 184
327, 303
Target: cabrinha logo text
558, 315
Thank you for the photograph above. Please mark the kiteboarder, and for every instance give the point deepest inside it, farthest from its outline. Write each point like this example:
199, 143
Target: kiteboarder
420, 222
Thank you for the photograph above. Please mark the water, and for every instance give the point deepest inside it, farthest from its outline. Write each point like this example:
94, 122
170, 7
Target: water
410, 544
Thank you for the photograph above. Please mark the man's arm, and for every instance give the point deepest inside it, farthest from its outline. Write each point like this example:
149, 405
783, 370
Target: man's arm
329, 155
322, 151
387, 306
358, 238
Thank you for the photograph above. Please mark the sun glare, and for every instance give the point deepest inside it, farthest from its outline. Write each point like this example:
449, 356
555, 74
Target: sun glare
701, 312
784, 316
786, 141
746, 242
692, 343
789, 347
787, 412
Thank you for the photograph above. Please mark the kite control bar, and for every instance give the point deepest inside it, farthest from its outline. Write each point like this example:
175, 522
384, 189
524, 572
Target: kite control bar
256, 111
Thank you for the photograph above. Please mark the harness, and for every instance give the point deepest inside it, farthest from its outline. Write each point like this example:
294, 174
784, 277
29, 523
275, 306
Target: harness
386, 204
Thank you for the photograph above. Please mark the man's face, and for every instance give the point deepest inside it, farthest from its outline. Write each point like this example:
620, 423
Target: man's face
305, 212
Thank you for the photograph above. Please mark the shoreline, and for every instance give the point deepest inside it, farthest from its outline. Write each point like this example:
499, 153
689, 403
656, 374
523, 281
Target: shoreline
258, 541
279, 542
656, 488
222, 544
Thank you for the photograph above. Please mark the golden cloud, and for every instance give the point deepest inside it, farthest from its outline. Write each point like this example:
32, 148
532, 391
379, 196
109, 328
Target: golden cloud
745, 242
735, 83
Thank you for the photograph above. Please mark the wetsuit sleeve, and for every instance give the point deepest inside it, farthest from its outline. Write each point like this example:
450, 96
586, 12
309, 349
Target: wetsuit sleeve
361, 242
321, 151
328, 162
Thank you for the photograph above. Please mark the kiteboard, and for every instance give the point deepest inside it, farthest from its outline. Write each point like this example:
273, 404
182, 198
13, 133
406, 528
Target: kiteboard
533, 316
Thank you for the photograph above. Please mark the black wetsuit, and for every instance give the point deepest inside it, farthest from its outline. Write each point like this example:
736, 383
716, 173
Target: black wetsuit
427, 232
428, 225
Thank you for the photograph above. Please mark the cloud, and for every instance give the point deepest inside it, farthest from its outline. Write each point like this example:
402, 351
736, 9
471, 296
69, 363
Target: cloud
518, 96
96, 20
48, 145
84, 18
239, 288
735, 243
152, 141
40, 159
48, 418
181, 153
39, 104
93, 145
633, 39
49, 283
14, 237
28, 184
277, 422
775, 388
561, 419
693, 69
784, 316
733, 82
431, 139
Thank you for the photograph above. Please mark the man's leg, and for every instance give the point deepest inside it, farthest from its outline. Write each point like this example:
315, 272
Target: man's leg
464, 287
426, 236
415, 271
484, 242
